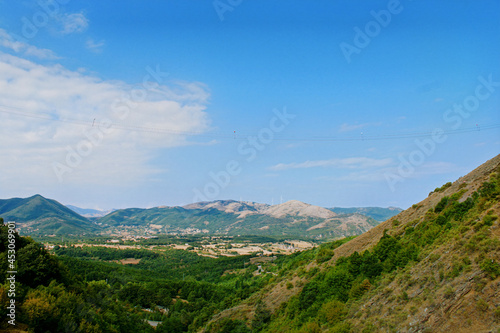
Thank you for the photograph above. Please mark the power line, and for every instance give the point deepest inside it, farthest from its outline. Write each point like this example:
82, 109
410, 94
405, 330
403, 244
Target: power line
236, 135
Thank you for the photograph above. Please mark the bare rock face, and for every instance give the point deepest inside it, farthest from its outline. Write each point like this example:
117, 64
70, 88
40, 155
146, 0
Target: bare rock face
298, 208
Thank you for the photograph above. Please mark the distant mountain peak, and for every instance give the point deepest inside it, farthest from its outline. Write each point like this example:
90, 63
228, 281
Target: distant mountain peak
43, 215
298, 208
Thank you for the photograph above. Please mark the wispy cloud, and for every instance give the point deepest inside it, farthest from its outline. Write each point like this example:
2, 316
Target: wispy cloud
378, 173
7, 41
343, 163
73, 23
94, 46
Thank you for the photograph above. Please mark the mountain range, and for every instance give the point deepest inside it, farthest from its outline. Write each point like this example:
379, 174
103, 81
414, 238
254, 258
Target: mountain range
37, 215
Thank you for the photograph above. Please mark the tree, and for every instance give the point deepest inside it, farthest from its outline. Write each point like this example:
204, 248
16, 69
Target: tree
333, 312
36, 266
261, 317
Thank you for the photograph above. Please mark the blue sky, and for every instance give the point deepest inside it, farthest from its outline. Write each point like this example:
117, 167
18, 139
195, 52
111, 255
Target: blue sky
170, 102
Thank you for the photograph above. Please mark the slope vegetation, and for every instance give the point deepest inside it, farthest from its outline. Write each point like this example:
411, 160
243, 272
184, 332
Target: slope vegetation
432, 268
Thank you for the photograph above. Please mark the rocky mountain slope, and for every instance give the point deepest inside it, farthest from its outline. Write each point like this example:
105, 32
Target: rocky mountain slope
298, 208
434, 267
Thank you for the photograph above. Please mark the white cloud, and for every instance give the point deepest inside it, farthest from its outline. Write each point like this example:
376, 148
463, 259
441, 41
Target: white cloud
42, 108
343, 163
7, 41
94, 46
73, 23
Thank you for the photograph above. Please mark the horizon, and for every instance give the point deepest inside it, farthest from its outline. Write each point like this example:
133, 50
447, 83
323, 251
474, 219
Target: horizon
332, 104
169, 206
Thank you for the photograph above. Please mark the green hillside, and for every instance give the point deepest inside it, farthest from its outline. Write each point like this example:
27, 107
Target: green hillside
435, 267
37, 215
377, 213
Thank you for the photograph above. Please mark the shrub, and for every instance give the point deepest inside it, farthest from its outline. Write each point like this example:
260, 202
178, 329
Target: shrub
441, 204
489, 219
496, 314
333, 312
324, 254
310, 327
359, 289
482, 305
490, 267
341, 328
449, 292
262, 316
442, 188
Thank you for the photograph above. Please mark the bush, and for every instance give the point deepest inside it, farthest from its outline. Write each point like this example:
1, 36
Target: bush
310, 327
482, 305
324, 254
227, 325
489, 219
341, 328
261, 317
359, 289
441, 204
491, 268
442, 188
333, 312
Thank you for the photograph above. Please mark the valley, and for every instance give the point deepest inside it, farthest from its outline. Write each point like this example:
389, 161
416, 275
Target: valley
434, 267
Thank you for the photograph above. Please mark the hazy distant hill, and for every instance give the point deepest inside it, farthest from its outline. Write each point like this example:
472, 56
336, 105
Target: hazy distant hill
88, 212
38, 215
377, 213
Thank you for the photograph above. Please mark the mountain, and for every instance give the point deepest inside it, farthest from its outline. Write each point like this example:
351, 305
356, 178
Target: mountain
87, 212
434, 267
38, 215
298, 208
240, 208
377, 213
292, 218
